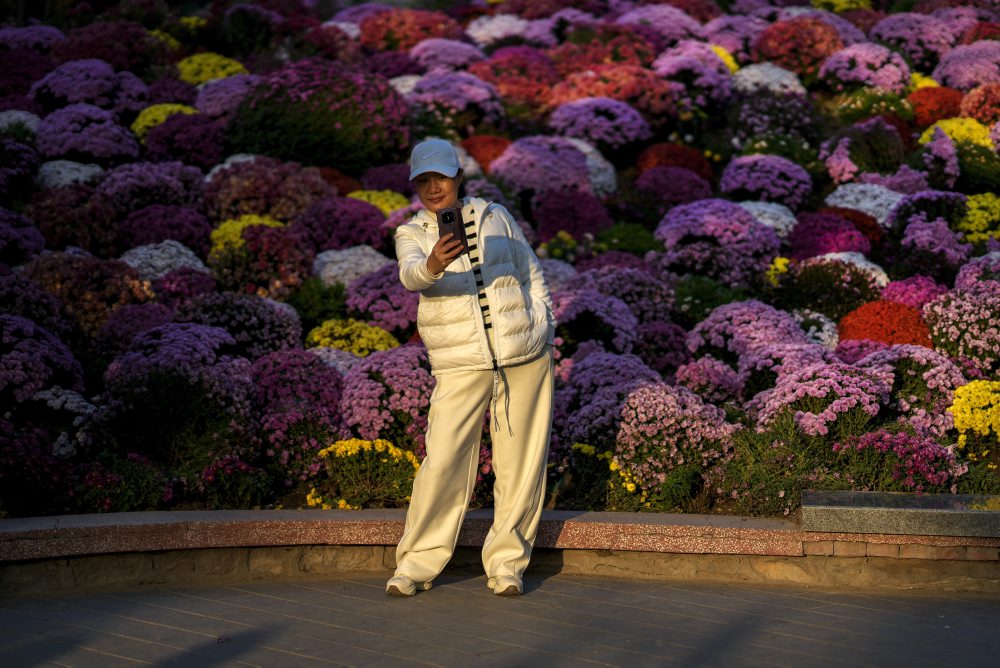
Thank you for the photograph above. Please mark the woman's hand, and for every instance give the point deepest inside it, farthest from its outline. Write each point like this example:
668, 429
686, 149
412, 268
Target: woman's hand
444, 253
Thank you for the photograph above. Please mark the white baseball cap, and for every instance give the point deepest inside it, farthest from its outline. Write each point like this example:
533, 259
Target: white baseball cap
434, 155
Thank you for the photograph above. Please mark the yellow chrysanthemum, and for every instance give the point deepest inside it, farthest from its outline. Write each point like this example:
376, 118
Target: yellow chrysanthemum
167, 39
779, 266
203, 67
354, 446
967, 130
726, 57
387, 201
353, 336
840, 6
588, 450
315, 500
193, 23
976, 411
153, 115
982, 219
229, 235
918, 80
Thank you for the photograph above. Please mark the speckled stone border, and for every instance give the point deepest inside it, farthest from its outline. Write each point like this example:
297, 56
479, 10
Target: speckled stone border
73, 535
77, 535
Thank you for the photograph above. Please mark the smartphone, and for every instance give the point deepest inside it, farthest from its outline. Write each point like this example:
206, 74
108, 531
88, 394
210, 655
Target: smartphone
450, 221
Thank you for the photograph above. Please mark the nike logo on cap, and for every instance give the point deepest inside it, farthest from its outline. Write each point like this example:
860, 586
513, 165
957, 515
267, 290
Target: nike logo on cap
428, 156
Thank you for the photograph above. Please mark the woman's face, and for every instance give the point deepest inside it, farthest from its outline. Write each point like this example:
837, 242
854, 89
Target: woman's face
437, 191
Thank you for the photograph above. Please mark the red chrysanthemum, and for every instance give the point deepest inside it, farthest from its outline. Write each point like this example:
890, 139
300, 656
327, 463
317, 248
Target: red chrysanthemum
983, 103
642, 88
931, 105
601, 45
980, 31
675, 155
885, 321
402, 29
799, 44
485, 148
522, 76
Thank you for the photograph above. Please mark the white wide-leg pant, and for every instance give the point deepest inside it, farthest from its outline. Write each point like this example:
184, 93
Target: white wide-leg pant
444, 483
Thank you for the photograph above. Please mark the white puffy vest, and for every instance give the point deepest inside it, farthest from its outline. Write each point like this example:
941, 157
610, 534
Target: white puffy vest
449, 320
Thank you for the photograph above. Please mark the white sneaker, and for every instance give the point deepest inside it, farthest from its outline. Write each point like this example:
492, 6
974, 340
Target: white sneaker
401, 585
505, 585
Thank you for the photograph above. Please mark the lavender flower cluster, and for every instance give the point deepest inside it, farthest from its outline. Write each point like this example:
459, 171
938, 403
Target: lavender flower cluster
767, 178
715, 238
663, 427
257, 325
381, 300
387, 395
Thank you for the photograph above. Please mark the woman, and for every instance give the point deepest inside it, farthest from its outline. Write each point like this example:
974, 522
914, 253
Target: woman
485, 316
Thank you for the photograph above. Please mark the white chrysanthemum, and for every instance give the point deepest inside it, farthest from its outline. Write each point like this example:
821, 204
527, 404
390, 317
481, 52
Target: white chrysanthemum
353, 30
14, 116
861, 262
58, 173
558, 275
776, 216
73, 403
818, 328
486, 30
603, 177
767, 76
343, 266
405, 84
154, 261
234, 159
335, 358
877, 201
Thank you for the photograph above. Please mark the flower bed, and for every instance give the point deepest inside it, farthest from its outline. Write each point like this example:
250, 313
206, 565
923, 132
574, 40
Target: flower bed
772, 235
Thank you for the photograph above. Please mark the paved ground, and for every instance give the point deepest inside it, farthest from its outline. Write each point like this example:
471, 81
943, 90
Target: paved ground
561, 621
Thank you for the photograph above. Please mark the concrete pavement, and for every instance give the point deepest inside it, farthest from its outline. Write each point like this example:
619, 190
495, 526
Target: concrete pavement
561, 621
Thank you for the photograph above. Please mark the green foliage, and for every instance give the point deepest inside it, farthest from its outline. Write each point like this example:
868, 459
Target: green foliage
629, 238
824, 288
121, 484
316, 302
980, 169
172, 423
19, 132
866, 103
365, 474
767, 471
790, 148
697, 296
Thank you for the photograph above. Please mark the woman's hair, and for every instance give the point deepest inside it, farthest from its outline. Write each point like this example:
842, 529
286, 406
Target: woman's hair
461, 183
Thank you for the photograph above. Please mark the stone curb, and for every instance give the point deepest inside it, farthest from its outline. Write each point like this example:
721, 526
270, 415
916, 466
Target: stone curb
74, 535
69, 553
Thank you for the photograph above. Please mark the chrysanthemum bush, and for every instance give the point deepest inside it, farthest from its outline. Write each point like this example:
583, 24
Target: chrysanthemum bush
258, 325
352, 336
181, 396
298, 399
263, 186
666, 438
975, 411
363, 474
387, 395
715, 238
321, 113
